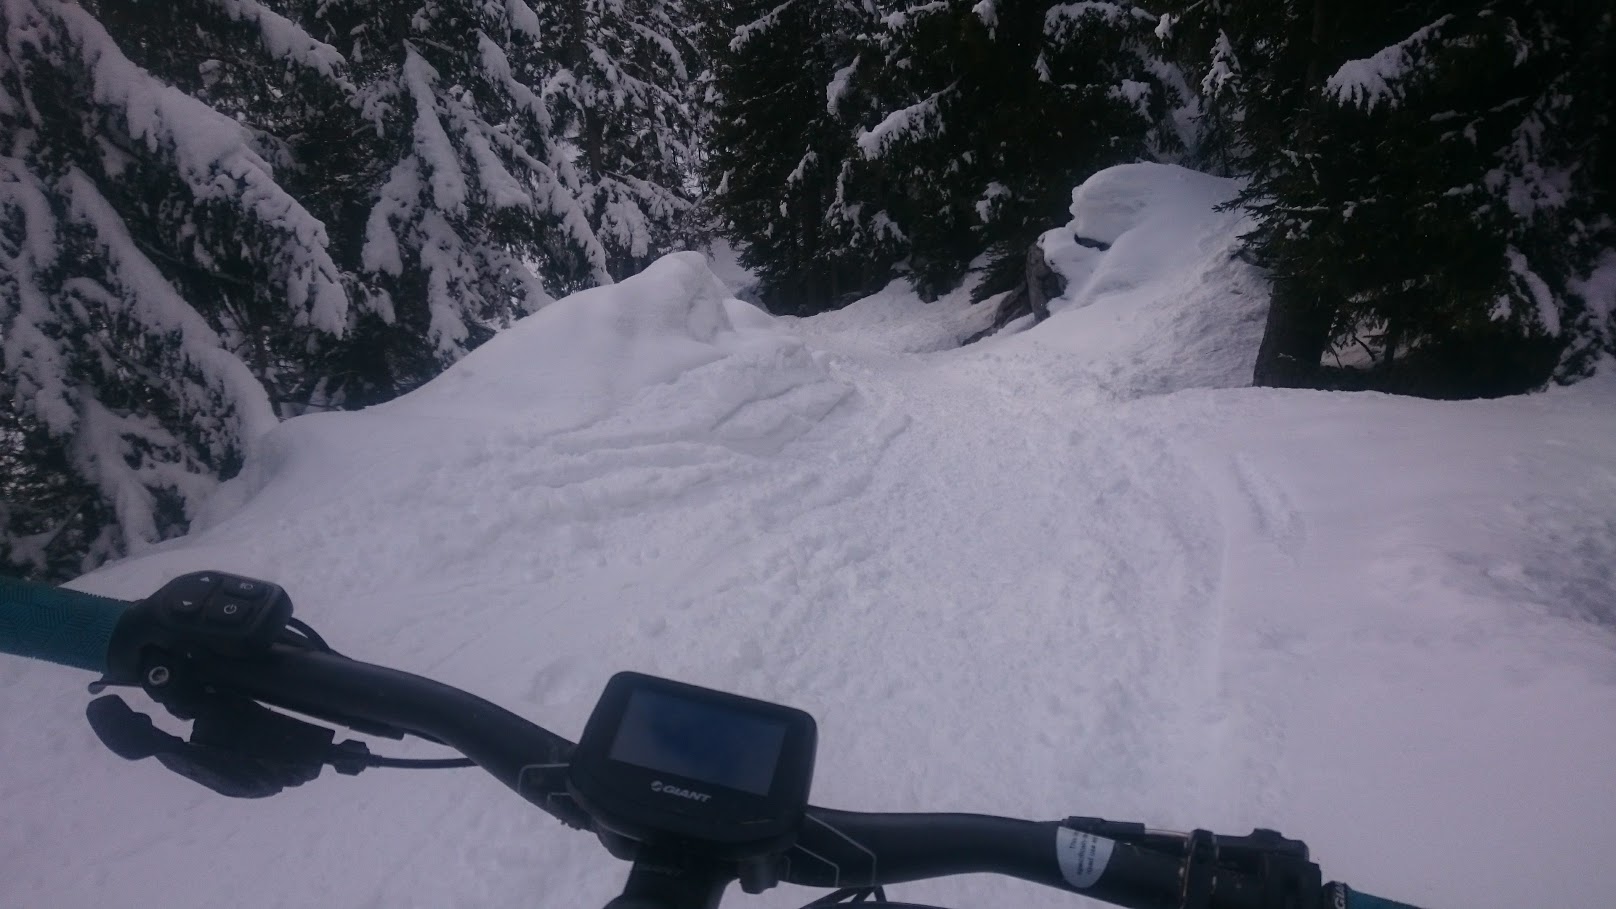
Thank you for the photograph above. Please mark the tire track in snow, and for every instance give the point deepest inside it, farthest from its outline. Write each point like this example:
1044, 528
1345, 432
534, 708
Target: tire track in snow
1096, 653
1147, 567
1276, 519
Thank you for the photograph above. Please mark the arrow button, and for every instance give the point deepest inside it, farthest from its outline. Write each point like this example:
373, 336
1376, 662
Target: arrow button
185, 596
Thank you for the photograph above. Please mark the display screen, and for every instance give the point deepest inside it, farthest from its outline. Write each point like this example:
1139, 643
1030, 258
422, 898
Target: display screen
698, 740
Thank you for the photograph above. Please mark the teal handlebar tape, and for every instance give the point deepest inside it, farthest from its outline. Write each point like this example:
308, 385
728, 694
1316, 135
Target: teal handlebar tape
1357, 899
57, 625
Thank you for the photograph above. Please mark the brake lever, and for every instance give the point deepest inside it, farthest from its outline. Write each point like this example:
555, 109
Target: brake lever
127, 733
238, 748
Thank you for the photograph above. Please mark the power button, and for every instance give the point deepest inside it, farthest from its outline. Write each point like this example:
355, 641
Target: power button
229, 611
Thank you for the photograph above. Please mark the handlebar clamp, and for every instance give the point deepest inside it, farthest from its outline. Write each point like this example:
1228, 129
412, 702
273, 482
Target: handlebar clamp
1265, 869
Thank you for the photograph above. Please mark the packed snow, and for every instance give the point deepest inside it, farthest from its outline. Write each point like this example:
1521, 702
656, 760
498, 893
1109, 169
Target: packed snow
1074, 569
1156, 298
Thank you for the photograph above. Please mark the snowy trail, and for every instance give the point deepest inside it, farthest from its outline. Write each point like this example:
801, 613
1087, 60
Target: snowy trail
1072, 636
1007, 578
1428, 651
1041, 645
782, 538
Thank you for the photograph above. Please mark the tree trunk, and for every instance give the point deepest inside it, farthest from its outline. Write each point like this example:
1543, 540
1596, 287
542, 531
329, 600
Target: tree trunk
591, 131
1298, 328
1316, 36
1294, 339
1042, 282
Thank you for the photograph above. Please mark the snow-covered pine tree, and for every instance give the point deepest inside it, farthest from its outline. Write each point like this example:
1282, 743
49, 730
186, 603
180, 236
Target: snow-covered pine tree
780, 159
1260, 65
440, 198
921, 141
623, 92
431, 159
1206, 40
287, 91
1441, 200
992, 110
476, 219
1106, 96
147, 254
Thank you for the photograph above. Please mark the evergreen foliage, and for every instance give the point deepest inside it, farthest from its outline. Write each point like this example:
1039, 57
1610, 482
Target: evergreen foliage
471, 219
120, 401
240, 210
853, 138
779, 151
1428, 184
625, 87
1249, 64
287, 92
1092, 90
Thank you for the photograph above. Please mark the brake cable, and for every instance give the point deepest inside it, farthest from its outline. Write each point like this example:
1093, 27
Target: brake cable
377, 760
299, 634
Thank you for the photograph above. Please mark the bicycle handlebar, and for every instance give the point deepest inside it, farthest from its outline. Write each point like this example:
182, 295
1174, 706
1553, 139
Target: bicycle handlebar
859, 849
361, 695
834, 849
1357, 899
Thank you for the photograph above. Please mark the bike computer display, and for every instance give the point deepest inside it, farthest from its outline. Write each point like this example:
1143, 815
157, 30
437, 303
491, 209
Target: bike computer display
670, 764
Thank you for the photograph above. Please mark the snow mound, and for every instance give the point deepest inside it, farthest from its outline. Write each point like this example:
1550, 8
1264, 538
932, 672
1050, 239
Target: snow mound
1155, 298
611, 399
585, 354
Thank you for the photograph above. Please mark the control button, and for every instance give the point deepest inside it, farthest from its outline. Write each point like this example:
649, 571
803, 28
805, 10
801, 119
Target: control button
244, 588
185, 595
230, 612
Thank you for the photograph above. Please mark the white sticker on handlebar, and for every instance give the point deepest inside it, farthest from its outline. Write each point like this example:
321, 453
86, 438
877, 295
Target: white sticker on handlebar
1082, 856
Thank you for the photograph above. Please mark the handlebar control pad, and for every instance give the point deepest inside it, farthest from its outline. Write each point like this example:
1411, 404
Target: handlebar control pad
224, 613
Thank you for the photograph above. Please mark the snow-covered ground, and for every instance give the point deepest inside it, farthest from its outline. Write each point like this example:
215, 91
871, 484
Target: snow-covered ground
1075, 569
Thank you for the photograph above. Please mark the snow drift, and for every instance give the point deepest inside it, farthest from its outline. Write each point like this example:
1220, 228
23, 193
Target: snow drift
1155, 297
